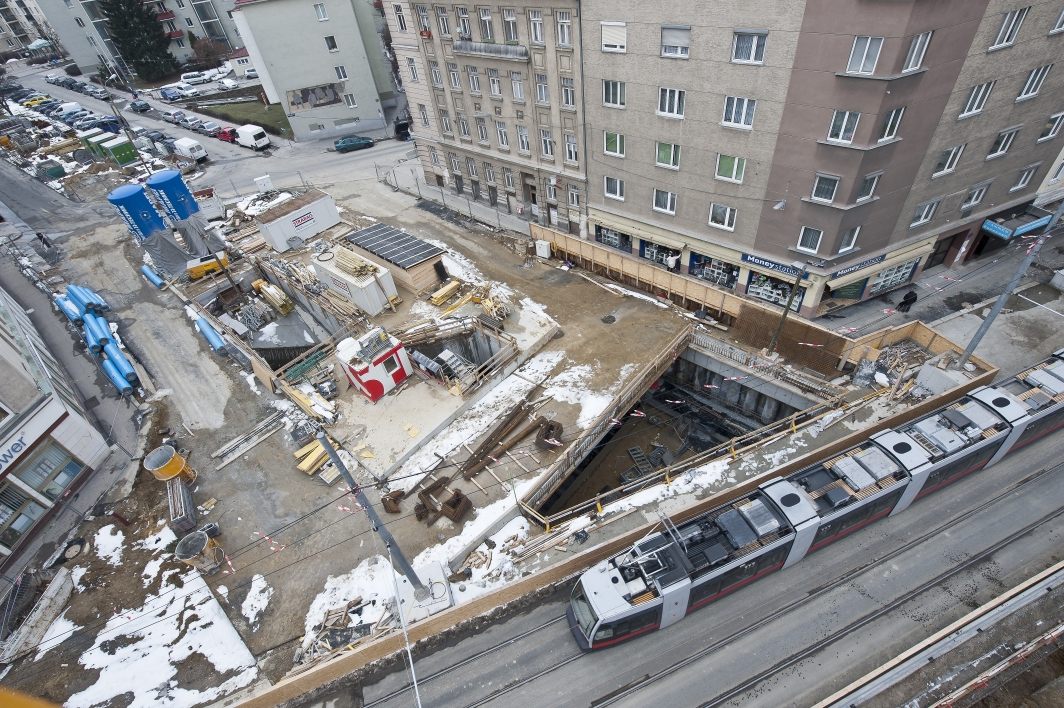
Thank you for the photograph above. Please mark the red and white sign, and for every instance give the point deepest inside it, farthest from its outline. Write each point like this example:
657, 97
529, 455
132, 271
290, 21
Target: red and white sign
304, 221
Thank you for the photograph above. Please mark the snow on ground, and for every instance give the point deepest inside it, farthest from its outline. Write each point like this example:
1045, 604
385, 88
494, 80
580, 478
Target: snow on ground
151, 569
371, 580
466, 270
639, 295
499, 568
138, 651
108, 542
692, 480
76, 573
477, 418
250, 378
572, 386
255, 603
223, 591
60, 629
159, 540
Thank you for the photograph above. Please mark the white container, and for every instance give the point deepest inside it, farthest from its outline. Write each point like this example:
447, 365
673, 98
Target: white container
264, 184
543, 249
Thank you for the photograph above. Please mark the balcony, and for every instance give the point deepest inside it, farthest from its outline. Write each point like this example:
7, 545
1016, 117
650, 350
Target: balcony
513, 52
168, 15
176, 34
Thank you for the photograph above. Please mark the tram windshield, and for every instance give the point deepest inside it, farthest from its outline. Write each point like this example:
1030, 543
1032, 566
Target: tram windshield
585, 616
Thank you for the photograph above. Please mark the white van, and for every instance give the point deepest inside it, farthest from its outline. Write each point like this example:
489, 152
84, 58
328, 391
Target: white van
190, 148
252, 136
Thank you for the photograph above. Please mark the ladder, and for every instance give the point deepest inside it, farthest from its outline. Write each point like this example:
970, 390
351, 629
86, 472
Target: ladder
642, 463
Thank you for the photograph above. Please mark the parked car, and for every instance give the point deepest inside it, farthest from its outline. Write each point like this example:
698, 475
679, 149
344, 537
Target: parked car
208, 128
73, 116
101, 95
35, 100
85, 123
190, 122
174, 117
227, 134
188, 91
352, 142
155, 136
51, 78
195, 77
169, 94
66, 81
9, 90
139, 106
251, 74
78, 86
109, 125
226, 84
42, 108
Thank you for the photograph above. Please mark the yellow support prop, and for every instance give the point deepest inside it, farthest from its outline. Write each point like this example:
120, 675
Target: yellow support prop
794, 428
733, 455
598, 506
547, 530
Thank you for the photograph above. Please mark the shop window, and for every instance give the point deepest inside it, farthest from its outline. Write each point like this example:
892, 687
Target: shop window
767, 288
17, 514
50, 471
656, 253
719, 272
892, 277
613, 239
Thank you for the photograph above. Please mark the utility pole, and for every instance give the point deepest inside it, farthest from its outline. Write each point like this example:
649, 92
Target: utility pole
420, 591
1032, 253
787, 308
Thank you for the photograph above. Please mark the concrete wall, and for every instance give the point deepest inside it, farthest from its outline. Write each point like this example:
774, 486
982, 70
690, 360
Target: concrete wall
74, 37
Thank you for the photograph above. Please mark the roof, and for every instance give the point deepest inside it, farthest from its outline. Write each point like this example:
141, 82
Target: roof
394, 246
239, 53
288, 206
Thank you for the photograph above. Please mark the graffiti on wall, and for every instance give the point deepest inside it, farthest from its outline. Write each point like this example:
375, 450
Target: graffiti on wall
315, 96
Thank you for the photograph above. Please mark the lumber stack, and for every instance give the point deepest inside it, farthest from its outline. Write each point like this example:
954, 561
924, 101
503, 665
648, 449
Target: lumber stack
445, 293
351, 264
312, 457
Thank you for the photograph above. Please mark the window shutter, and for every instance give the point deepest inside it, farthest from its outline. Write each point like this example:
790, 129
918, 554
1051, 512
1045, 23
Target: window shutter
673, 36
614, 36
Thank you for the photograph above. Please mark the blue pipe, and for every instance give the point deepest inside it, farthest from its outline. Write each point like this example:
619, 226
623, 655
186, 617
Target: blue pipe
153, 277
91, 339
116, 378
97, 300
69, 309
115, 356
77, 299
212, 337
97, 329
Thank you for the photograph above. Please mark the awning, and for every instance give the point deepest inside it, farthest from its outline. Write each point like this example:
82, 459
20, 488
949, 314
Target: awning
625, 227
38, 44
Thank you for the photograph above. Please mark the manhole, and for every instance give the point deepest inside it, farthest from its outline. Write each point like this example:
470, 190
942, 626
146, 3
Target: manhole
74, 548
609, 319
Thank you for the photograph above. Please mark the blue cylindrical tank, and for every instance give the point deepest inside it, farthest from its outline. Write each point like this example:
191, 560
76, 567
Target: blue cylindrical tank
116, 378
172, 194
121, 363
131, 203
216, 342
153, 277
69, 309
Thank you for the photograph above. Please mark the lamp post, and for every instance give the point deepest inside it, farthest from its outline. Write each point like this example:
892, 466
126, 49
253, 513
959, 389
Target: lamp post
787, 308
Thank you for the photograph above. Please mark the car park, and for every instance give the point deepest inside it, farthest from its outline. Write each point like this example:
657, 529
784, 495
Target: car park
208, 128
226, 134
139, 106
352, 142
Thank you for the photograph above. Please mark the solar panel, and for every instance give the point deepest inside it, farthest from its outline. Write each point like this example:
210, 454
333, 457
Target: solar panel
394, 246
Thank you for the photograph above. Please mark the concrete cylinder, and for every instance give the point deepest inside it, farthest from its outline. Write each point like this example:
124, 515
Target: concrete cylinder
164, 463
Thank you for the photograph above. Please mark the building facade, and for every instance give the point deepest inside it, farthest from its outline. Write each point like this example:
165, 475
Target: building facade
802, 145
324, 62
47, 446
24, 28
495, 102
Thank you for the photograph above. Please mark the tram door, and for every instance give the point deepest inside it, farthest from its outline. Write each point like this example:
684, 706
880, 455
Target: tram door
674, 602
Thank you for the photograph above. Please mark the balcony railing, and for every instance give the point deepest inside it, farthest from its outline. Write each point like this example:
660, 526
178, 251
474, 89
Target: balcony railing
176, 34
168, 15
513, 52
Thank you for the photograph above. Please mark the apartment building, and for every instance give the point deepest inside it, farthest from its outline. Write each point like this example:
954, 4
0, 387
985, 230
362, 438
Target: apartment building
757, 148
47, 446
324, 62
22, 26
495, 102
82, 28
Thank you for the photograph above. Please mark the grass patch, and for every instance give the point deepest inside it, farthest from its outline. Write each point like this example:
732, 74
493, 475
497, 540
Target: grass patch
271, 118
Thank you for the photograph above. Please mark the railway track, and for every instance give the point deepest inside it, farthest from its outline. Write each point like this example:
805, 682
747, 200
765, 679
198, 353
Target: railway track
819, 592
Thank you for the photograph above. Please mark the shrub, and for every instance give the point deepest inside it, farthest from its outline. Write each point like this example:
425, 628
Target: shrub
72, 70
37, 60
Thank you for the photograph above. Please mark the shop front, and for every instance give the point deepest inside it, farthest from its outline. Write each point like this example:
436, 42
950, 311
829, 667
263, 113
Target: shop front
613, 239
771, 281
714, 270
873, 276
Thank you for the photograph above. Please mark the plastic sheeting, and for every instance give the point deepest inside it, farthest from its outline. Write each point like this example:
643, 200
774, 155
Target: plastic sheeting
199, 236
166, 253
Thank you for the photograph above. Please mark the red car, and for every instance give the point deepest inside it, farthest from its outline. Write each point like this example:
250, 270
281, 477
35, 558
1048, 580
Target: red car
228, 134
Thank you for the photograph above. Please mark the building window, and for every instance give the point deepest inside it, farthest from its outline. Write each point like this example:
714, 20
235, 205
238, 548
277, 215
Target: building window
474, 79
1058, 173
423, 18
675, 41
434, 156
349, 101
568, 93
17, 513
614, 188
243, 62
748, 48
1052, 127
824, 188
494, 83
445, 118
522, 140
1002, 143
574, 195
412, 68
668, 155
1010, 27
864, 55
508, 178
947, 162
843, 125
443, 21
456, 80
462, 16
542, 92
546, 143
809, 240
664, 201
565, 28
891, 123
509, 25
1059, 25
977, 99
849, 239
463, 125
739, 112
868, 187
341, 73
975, 195
489, 172
400, 18
613, 239
472, 167
78, 21
1024, 179
456, 166
500, 129
614, 36
482, 130
722, 217
613, 144
570, 149
613, 93
180, 43
730, 168
535, 26
924, 213
319, 10
1034, 82
487, 30
424, 114
552, 192
50, 471
518, 87
181, 3
893, 276
670, 102
437, 77
188, 22
915, 58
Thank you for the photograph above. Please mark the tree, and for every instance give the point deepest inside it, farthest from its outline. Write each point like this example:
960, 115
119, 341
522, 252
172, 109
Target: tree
209, 53
139, 37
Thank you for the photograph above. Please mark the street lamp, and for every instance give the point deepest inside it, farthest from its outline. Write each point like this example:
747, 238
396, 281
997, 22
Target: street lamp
801, 268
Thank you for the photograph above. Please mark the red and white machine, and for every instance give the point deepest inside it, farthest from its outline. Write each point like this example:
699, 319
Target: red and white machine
375, 363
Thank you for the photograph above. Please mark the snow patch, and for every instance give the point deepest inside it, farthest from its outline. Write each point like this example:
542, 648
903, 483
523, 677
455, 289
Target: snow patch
76, 574
250, 378
108, 542
371, 580
640, 296
58, 630
255, 603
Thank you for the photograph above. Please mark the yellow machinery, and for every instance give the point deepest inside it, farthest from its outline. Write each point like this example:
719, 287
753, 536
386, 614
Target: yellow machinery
164, 463
199, 267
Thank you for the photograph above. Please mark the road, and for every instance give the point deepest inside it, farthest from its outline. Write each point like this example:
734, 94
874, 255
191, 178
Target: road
843, 621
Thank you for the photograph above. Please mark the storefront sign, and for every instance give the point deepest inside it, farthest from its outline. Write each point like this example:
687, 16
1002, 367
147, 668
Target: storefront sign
1033, 226
996, 229
772, 265
11, 453
858, 266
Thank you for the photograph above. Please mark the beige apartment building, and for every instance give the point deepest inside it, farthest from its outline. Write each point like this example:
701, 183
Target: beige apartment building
495, 101
849, 144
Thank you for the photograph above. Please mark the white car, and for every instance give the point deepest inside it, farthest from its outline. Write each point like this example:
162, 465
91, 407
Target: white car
195, 77
186, 90
226, 84
251, 73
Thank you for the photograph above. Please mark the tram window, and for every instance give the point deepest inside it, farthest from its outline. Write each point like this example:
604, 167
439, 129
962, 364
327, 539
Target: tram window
627, 626
706, 589
773, 558
1040, 426
644, 620
855, 517
736, 576
885, 503
826, 531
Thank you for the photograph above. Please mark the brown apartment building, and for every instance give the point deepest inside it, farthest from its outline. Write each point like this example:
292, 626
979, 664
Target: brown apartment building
495, 102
